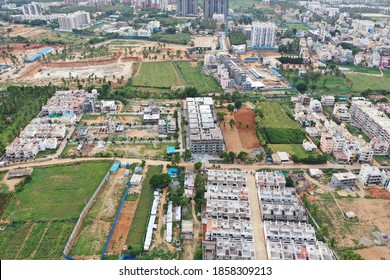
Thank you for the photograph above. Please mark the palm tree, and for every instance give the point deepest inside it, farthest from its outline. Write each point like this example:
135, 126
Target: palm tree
232, 123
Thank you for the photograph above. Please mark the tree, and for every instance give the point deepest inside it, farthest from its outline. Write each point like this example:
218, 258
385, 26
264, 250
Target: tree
247, 126
239, 124
301, 86
230, 107
243, 156
232, 123
238, 104
198, 166
160, 181
332, 243
175, 159
187, 154
289, 182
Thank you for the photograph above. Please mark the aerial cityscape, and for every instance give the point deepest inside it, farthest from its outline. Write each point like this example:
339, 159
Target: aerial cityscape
194, 130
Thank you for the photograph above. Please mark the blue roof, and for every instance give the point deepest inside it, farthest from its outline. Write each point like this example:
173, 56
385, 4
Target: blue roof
39, 54
115, 166
170, 150
172, 172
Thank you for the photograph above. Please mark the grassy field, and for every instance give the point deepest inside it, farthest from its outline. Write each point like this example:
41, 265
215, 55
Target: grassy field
157, 74
57, 192
276, 126
298, 26
363, 82
192, 77
166, 74
383, 160
141, 216
40, 240
360, 69
292, 149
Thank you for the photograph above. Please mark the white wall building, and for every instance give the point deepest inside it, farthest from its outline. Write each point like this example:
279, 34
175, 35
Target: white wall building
76, 20
370, 175
263, 34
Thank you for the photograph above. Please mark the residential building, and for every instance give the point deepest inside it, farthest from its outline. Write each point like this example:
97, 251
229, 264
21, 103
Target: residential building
270, 179
99, 3
151, 113
385, 179
341, 112
315, 105
328, 100
203, 133
326, 143
345, 179
187, 8
212, 7
263, 34
370, 175
77, 20
379, 147
375, 122
33, 9
227, 222
187, 229
309, 146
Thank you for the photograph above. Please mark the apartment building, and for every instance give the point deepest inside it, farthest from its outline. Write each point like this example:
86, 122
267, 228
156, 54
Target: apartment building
345, 179
99, 3
212, 7
370, 175
289, 231
280, 250
204, 135
379, 147
315, 105
151, 114
341, 112
328, 100
77, 20
385, 180
227, 222
263, 34
326, 143
271, 179
186, 8
375, 123
33, 9
70, 102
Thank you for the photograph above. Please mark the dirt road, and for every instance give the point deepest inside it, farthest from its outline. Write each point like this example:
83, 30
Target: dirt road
257, 224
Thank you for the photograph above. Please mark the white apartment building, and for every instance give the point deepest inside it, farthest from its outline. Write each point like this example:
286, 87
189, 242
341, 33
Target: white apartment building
370, 175
374, 122
99, 3
328, 100
343, 179
270, 179
315, 105
385, 179
34, 8
76, 20
204, 135
309, 146
341, 112
263, 34
380, 147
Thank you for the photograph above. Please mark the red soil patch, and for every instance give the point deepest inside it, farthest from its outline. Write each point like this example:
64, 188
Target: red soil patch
248, 136
122, 227
378, 193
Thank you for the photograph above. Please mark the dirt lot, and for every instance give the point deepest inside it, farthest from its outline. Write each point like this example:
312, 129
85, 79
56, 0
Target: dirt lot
100, 217
11, 184
121, 119
372, 216
122, 228
142, 133
240, 139
378, 192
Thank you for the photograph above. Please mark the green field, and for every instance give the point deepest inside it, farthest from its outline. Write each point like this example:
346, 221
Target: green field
141, 216
298, 26
275, 126
362, 82
157, 74
40, 240
192, 77
166, 74
360, 69
292, 149
57, 192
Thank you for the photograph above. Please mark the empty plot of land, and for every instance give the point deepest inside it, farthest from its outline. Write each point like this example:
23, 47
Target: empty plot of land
56, 192
238, 138
84, 72
157, 74
372, 215
97, 224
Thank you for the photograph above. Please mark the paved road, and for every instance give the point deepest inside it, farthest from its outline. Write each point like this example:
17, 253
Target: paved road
258, 233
